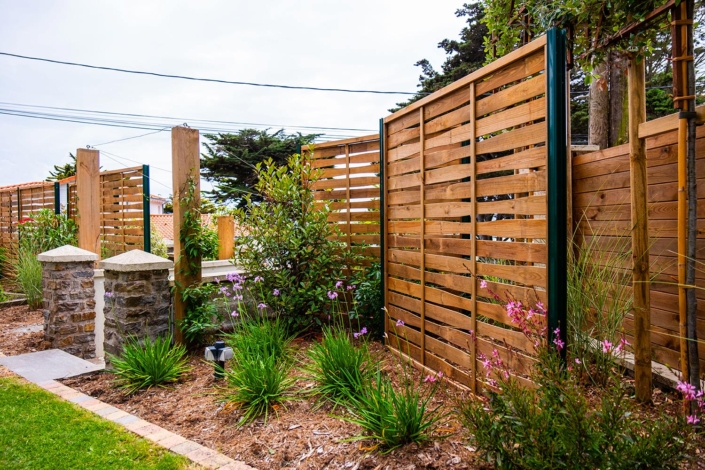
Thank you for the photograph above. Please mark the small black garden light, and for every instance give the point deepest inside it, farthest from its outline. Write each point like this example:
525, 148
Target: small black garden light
219, 353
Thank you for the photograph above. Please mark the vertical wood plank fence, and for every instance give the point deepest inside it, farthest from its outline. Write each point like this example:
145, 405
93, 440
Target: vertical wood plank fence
601, 205
350, 182
465, 199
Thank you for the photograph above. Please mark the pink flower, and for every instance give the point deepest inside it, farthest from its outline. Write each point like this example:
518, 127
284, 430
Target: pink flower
350, 287
109, 294
262, 306
559, 344
259, 279
275, 293
339, 284
483, 284
692, 419
217, 280
578, 361
332, 295
430, 379
400, 322
235, 314
606, 346
687, 390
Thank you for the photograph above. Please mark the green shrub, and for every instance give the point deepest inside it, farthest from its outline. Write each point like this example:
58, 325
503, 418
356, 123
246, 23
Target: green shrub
258, 384
149, 363
201, 315
3, 296
339, 367
289, 242
259, 379
28, 277
368, 299
555, 425
157, 245
43, 231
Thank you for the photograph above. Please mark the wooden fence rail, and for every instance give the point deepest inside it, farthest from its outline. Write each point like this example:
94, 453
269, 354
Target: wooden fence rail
350, 182
602, 208
465, 200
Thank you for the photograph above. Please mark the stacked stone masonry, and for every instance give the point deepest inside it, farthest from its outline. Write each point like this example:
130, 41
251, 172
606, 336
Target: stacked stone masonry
69, 307
137, 303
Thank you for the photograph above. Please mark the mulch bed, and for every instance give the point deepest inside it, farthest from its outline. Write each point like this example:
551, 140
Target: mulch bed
299, 437
21, 330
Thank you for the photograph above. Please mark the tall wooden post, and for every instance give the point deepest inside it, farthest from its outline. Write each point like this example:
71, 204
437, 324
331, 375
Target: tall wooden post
185, 163
89, 200
226, 237
640, 230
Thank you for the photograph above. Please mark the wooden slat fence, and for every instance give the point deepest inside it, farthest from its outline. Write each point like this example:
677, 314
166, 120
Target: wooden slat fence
601, 208
350, 182
18, 203
465, 172
122, 212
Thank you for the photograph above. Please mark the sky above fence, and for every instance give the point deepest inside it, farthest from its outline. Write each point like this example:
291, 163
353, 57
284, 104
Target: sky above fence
361, 45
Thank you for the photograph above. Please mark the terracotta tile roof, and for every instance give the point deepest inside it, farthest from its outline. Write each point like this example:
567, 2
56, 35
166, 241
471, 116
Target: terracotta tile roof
23, 185
164, 224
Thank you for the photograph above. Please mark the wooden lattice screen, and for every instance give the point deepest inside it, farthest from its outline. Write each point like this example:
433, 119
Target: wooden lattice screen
602, 209
122, 212
475, 154
18, 203
350, 182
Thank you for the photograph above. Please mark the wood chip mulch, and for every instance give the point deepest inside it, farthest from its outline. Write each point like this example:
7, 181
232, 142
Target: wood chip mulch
21, 330
299, 436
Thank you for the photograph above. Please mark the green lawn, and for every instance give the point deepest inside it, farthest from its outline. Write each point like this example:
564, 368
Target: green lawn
40, 431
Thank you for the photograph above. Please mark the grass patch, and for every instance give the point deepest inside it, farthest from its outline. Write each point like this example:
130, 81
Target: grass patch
38, 430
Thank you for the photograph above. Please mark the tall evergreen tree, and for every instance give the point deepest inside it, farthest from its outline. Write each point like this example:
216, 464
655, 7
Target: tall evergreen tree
230, 159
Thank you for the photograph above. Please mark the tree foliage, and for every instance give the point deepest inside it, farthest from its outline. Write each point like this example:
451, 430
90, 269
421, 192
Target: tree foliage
63, 171
465, 55
230, 160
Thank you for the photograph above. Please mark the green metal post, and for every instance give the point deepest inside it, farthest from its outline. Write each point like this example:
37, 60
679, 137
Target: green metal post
557, 188
147, 217
382, 215
57, 198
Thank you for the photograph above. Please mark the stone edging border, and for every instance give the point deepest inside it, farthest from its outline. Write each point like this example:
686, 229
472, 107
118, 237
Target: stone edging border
193, 451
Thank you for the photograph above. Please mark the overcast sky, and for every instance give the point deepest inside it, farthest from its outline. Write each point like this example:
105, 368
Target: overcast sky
357, 45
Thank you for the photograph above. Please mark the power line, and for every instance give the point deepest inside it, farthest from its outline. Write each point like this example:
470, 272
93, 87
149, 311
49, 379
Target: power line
185, 119
133, 137
212, 80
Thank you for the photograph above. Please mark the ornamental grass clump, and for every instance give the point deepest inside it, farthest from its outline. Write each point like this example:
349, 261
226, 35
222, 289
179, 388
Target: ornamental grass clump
259, 381
149, 363
396, 414
556, 425
341, 366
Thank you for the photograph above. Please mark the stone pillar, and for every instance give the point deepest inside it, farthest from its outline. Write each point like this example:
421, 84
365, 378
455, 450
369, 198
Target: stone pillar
137, 298
69, 304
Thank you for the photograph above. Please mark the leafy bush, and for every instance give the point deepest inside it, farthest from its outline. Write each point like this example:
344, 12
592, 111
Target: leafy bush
339, 367
44, 230
149, 363
3, 295
156, 242
368, 298
201, 315
259, 380
555, 425
40, 232
289, 242
209, 243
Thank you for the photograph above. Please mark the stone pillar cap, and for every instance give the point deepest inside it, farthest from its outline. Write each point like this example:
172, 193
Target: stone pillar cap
66, 254
136, 260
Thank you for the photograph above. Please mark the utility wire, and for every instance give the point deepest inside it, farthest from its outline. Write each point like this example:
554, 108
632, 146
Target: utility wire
186, 119
212, 80
133, 137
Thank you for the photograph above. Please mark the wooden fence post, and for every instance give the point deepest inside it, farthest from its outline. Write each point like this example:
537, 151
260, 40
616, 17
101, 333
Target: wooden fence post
226, 237
640, 230
89, 199
185, 162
